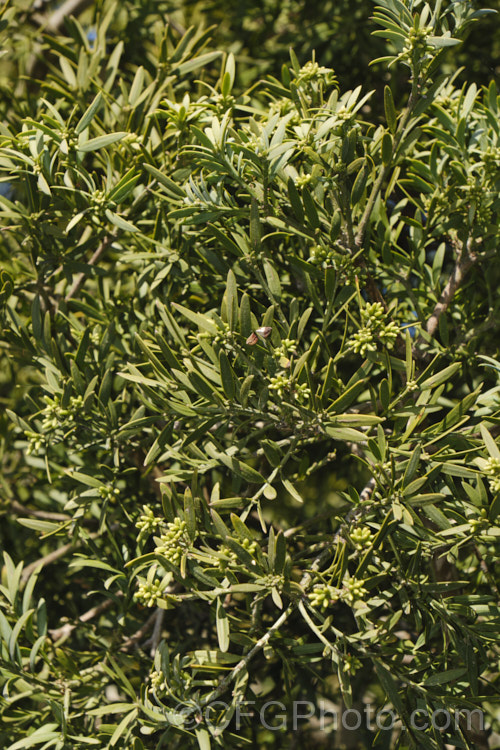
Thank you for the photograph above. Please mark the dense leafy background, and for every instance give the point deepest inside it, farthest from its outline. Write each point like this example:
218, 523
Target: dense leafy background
322, 502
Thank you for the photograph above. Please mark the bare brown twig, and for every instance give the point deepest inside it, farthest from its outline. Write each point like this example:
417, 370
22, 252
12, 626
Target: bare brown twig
464, 262
45, 514
136, 637
57, 633
80, 278
46, 560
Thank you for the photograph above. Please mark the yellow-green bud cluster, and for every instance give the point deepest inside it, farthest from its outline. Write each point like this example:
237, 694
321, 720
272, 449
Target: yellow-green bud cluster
282, 383
372, 314
303, 179
275, 581
148, 593
148, 522
302, 392
374, 328
312, 72
481, 523
221, 336
321, 255
35, 442
173, 542
157, 679
110, 494
250, 546
351, 664
417, 44
363, 341
491, 159
279, 383
353, 591
321, 597
362, 537
287, 346
54, 414
492, 469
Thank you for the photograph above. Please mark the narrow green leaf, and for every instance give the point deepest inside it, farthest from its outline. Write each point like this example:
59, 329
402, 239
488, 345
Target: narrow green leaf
120, 729
255, 229
101, 141
359, 185
389, 685
190, 514
200, 320
231, 300
171, 187
222, 627
196, 63
124, 187
203, 738
345, 434
441, 377
386, 148
120, 222
291, 489
390, 110
489, 442
272, 278
89, 114
412, 466
16, 630
443, 677
245, 316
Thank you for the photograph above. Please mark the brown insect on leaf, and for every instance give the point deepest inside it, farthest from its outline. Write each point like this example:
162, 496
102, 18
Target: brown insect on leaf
263, 333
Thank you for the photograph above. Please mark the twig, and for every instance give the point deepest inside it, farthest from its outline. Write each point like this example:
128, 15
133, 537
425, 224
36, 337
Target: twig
46, 560
139, 633
456, 279
57, 633
156, 634
52, 557
47, 515
233, 674
365, 494
80, 278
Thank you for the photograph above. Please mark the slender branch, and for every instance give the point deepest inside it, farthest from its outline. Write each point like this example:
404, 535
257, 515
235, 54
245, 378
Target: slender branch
233, 674
80, 278
150, 622
46, 560
52, 557
365, 494
457, 277
156, 634
57, 633
47, 515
